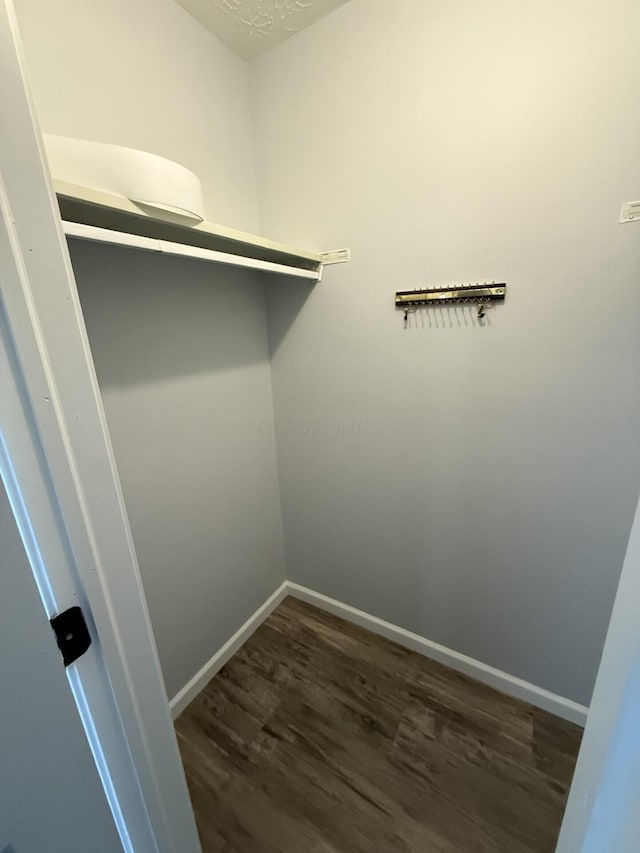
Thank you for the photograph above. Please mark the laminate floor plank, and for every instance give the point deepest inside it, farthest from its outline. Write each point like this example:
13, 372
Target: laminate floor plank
320, 737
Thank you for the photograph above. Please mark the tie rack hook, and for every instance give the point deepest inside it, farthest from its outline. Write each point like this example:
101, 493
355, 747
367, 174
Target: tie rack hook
480, 294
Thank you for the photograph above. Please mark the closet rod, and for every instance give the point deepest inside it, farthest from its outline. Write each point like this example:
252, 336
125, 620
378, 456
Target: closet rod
149, 244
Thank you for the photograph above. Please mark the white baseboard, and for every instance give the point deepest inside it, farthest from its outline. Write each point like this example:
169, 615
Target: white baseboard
202, 678
501, 681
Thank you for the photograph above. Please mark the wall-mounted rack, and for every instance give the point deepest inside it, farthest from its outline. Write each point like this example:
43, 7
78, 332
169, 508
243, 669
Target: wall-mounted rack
479, 294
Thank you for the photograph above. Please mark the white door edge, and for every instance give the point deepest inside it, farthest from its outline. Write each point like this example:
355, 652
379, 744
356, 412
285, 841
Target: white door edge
25, 479
602, 814
64, 487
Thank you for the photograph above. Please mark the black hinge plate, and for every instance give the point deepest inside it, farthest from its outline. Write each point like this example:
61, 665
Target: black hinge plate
72, 634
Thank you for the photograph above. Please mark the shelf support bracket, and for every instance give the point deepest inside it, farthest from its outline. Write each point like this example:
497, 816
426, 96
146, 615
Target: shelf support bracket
336, 256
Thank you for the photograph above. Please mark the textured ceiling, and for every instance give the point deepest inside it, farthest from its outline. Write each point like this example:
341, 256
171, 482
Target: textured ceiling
251, 26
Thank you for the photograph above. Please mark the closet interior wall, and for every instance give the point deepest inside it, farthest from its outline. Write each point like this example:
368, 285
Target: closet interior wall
474, 485
180, 347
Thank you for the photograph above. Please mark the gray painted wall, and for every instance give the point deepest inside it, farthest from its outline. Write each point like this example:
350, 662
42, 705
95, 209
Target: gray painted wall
472, 484
180, 348
181, 353
42, 807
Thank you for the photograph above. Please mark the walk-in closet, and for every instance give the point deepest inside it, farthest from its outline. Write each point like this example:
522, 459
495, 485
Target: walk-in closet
342, 439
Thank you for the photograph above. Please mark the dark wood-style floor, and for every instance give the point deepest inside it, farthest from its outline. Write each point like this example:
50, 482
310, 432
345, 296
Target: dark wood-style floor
320, 737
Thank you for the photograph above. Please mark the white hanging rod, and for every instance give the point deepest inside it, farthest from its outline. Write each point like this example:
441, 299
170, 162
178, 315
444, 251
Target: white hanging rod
149, 244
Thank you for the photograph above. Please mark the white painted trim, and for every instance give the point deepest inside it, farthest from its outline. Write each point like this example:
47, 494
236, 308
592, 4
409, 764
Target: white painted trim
37, 519
215, 664
502, 681
602, 813
63, 473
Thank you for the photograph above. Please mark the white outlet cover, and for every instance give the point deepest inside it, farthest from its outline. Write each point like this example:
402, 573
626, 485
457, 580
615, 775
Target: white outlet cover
630, 211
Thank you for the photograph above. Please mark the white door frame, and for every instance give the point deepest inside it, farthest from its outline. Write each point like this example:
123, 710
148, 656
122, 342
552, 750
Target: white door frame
603, 811
61, 478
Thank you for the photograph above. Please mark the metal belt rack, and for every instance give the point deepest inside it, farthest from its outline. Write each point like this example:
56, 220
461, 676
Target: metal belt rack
479, 294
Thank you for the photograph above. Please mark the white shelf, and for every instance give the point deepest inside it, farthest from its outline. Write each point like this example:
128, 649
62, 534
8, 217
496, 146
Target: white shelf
110, 218
149, 244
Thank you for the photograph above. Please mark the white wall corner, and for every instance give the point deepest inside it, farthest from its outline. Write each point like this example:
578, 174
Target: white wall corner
215, 663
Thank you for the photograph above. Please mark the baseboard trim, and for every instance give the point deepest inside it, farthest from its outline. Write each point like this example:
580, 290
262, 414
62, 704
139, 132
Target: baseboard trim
204, 675
501, 681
